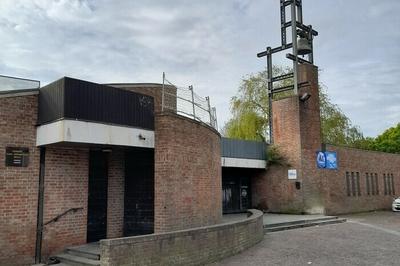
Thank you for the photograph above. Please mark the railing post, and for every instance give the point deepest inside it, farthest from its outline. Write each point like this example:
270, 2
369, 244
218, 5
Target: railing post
215, 118
162, 92
209, 109
194, 108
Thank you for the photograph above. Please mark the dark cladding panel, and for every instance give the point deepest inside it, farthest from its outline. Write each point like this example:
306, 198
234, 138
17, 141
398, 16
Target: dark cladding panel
51, 102
81, 100
245, 149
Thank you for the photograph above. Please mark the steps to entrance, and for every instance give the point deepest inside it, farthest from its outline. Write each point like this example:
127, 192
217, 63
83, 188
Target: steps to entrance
85, 255
302, 223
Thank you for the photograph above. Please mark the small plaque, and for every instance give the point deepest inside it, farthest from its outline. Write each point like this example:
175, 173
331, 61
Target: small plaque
18, 157
292, 174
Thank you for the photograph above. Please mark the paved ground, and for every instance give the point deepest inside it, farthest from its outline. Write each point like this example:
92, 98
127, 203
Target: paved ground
367, 239
272, 218
385, 220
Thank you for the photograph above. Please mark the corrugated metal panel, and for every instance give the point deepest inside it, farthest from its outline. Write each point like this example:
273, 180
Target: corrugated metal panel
51, 102
76, 99
234, 148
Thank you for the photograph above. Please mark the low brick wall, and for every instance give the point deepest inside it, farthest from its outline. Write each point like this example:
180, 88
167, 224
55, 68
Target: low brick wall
195, 246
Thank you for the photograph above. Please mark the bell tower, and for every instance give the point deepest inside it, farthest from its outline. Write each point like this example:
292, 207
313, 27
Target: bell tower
295, 124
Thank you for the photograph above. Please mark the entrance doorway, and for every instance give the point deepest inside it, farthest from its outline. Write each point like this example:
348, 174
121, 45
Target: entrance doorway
236, 194
97, 198
139, 192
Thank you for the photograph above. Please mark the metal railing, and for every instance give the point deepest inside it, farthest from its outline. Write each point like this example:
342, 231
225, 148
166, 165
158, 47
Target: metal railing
55, 219
185, 102
8, 83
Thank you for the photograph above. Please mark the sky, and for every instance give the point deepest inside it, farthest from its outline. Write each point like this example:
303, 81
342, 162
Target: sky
209, 44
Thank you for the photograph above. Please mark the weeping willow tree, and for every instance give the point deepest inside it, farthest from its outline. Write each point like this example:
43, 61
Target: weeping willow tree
250, 113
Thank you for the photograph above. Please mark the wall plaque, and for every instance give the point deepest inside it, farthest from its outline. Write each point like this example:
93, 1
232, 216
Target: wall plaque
17, 156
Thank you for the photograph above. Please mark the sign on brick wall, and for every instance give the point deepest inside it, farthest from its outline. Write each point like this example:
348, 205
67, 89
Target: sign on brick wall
17, 156
327, 160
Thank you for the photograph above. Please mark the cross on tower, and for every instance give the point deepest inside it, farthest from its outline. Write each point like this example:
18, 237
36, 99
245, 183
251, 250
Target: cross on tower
302, 44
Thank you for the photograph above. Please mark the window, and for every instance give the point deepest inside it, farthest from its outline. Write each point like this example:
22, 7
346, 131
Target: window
388, 180
393, 192
348, 184
367, 183
353, 184
376, 184
385, 184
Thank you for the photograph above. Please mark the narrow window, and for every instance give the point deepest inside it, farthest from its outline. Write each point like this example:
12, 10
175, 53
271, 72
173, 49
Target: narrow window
385, 183
376, 184
393, 192
353, 184
372, 183
358, 184
367, 183
348, 184
389, 184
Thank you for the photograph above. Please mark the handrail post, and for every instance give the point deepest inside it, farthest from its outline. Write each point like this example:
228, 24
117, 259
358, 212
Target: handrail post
215, 118
209, 108
163, 93
194, 108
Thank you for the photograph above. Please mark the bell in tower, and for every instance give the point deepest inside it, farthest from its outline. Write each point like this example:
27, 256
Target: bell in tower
303, 44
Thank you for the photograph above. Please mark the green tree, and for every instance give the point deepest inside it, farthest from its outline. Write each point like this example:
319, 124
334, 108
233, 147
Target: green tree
388, 141
250, 113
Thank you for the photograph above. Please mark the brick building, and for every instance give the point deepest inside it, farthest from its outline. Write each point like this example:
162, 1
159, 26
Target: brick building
90, 161
362, 181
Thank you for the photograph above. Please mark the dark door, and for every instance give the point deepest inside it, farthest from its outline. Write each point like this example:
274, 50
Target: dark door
139, 192
236, 193
230, 197
97, 199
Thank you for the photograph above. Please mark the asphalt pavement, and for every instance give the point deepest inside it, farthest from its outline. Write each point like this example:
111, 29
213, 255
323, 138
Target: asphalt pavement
366, 239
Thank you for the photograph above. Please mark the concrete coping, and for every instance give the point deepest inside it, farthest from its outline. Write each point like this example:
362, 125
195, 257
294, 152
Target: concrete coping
253, 216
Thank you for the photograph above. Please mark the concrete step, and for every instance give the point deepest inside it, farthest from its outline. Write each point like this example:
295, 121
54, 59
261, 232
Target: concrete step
301, 221
73, 260
302, 224
84, 252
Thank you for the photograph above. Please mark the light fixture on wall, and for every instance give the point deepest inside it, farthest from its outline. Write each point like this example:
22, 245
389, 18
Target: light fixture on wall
305, 96
141, 137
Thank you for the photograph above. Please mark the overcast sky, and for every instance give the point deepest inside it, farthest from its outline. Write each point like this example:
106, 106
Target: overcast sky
210, 44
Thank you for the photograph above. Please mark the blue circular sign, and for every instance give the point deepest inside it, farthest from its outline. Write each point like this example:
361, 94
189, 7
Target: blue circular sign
321, 160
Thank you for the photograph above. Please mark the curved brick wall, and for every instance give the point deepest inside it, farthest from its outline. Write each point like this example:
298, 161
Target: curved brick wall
187, 174
197, 246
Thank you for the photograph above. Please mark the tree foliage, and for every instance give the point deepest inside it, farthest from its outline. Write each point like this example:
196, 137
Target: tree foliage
388, 141
250, 113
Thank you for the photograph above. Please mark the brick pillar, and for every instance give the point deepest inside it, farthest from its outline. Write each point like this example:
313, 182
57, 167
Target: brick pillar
297, 133
116, 191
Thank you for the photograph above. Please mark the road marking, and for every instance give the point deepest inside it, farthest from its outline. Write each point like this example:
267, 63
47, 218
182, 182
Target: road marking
376, 227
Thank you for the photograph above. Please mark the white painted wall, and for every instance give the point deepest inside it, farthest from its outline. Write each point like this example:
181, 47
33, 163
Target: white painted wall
93, 133
243, 163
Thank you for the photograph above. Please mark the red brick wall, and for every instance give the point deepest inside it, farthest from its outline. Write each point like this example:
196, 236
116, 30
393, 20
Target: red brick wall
66, 186
187, 174
116, 189
353, 160
310, 133
197, 246
281, 193
18, 185
297, 133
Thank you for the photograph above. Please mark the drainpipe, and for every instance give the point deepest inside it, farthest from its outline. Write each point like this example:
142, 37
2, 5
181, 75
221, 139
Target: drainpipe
39, 225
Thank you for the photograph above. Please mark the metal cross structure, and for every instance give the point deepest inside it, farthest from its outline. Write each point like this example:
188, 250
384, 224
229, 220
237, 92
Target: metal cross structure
302, 46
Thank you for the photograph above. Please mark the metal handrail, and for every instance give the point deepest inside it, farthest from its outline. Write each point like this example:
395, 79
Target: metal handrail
55, 219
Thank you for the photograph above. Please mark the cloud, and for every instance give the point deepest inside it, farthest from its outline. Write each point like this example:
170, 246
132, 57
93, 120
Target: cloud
208, 44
